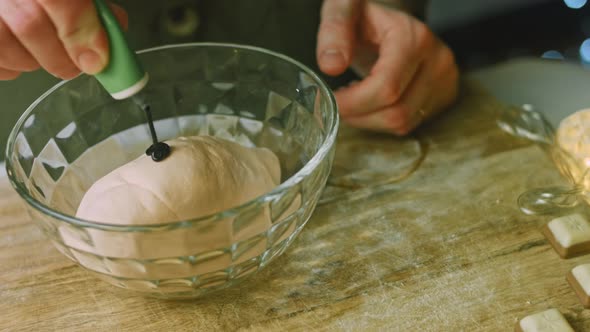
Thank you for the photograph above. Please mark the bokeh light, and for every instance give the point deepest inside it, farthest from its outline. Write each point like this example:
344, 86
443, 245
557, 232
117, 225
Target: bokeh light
552, 54
575, 4
585, 50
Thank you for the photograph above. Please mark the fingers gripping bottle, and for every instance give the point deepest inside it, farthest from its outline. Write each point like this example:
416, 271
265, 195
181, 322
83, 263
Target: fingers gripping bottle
123, 76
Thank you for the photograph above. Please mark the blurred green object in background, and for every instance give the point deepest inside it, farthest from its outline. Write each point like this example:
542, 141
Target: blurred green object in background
16, 96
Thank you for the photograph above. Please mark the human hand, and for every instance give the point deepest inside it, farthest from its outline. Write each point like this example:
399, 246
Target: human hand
62, 36
409, 73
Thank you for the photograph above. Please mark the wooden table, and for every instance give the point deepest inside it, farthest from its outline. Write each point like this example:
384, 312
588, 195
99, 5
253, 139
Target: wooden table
446, 249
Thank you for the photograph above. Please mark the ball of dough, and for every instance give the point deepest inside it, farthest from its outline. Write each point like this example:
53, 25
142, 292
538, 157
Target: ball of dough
202, 175
573, 137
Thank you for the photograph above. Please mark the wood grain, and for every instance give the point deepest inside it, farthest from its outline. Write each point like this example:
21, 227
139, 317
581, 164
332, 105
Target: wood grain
446, 249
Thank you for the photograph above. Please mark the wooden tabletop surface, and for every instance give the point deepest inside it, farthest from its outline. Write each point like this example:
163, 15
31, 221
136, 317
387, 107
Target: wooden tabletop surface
443, 249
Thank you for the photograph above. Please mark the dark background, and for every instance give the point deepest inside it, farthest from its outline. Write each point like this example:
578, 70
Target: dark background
520, 28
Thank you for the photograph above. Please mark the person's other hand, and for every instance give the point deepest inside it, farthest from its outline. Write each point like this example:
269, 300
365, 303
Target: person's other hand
62, 36
409, 73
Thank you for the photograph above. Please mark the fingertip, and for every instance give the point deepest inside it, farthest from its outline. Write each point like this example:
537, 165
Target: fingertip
121, 15
332, 62
29, 66
70, 75
344, 109
7, 75
94, 58
402, 131
66, 71
90, 62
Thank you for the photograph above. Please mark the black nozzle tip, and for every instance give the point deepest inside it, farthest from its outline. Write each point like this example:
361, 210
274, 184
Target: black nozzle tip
158, 151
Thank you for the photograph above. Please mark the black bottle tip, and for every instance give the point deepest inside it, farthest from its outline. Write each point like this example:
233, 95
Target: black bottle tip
159, 151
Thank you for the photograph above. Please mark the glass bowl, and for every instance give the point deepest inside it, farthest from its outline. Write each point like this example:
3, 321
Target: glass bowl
76, 133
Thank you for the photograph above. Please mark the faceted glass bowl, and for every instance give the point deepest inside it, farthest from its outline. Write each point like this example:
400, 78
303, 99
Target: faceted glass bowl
76, 133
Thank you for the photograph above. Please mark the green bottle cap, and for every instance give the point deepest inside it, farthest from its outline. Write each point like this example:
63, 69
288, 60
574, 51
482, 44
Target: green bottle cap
123, 76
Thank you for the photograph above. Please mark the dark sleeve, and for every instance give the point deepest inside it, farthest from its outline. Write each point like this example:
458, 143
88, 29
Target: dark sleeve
415, 7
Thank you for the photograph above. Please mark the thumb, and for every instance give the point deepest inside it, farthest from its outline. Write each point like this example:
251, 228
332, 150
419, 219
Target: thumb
336, 35
81, 32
